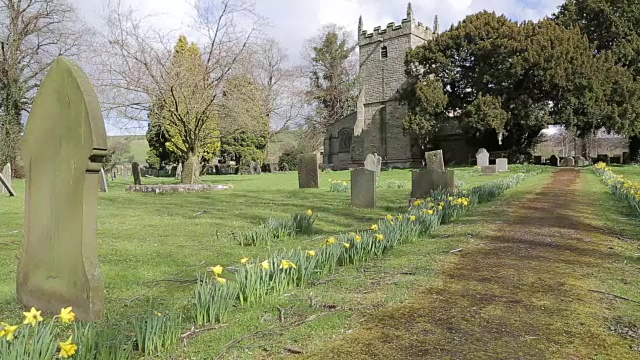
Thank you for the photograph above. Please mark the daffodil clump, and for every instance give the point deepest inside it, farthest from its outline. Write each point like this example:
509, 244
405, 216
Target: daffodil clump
36, 339
156, 332
274, 229
214, 296
623, 189
338, 186
492, 189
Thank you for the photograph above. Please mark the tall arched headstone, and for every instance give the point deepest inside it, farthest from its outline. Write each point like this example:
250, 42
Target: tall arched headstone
482, 157
64, 146
5, 181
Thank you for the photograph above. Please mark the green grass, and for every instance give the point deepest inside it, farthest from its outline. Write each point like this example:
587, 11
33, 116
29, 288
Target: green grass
138, 146
630, 172
149, 244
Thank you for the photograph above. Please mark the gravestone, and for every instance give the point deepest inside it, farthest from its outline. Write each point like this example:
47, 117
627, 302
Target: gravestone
308, 172
553, 160
5, 182
252, 167
104, 186
378, 164
135, 170
502, 164
568, 161
179, 172
424, 181
64, 146
114, 173
489, 169
127, 171
579, 161
370, 162
258, 168
285, 167
482, 157
363, 188
434, 160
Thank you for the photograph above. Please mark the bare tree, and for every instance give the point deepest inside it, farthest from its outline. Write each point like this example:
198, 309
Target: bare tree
32, 34
138, 70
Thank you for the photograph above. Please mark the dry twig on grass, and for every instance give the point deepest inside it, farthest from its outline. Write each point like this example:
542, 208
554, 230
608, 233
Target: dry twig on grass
614, 295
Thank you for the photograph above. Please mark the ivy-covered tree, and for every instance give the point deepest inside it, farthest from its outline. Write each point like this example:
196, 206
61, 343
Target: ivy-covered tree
185, 109
427, 101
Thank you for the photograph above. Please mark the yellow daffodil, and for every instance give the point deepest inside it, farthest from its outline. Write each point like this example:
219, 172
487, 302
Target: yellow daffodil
216, 270
358, 238
7, 331
412, 218
441, 204
309, 212
389, 217
285, 264
346, 245
331, 240
244, 260
265, 265
399, 217
221, 281
450, 198
440, 207
156, 313
379, 237
67, 315
374, 227
67, 348
311, 253
32, 317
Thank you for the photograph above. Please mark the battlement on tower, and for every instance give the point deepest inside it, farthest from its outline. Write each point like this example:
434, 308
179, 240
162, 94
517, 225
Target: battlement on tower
392, 30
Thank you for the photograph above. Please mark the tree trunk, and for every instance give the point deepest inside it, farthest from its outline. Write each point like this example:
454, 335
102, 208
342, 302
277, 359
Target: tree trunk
634, 149
191, 169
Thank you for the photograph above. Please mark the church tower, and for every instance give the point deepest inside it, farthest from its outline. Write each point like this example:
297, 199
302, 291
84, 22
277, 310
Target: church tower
378, 127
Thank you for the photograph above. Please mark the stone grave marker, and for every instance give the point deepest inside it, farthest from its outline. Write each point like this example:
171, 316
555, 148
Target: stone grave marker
489, 169
502, 164
434, 160
370, 162
482, 157
179, 172
104, 186
285, 167
568, 161
378, 164
64, 146
579, 160
553, 160
5, 181
363, 188
135, 170
424, 181
308, 171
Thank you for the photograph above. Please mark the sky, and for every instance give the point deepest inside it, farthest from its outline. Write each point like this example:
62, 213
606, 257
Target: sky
293, 21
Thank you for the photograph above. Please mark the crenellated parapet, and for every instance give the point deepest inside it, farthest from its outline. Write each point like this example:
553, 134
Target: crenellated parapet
408, 26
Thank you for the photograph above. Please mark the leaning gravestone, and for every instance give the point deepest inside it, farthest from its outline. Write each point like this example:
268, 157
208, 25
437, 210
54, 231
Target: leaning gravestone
482, 157
424, 181
5, 181
308, 172
179, 172
370, 162
434, 160
59, 262
135, 170
502, 164
104, 186
553, 160
489, 169
363, 188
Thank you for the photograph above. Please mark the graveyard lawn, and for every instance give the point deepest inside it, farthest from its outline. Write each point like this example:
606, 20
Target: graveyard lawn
629, 172
545, 272
151, 246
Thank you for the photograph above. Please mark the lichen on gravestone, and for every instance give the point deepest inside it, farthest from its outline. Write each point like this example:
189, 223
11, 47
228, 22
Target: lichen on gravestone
59, 262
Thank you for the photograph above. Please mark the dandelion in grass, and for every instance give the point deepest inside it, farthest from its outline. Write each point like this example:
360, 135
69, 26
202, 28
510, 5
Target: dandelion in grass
285, 264
221, 281
67, 348
67, 316
374, 227
346, 245
32, 317
265, 265
309, 212
311, 253
379, 237
244, 260
7, 331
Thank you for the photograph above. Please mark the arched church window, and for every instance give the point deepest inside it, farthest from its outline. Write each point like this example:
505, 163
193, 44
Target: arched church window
345, 136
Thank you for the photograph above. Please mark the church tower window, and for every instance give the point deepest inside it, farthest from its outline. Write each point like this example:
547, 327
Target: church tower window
383, 52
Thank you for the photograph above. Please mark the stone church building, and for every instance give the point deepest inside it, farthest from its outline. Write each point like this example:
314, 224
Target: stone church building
376, 125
